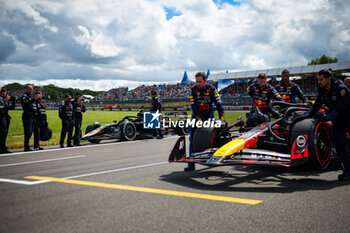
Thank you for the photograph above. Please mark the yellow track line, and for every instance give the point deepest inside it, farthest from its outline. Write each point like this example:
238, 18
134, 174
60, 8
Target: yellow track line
149, 190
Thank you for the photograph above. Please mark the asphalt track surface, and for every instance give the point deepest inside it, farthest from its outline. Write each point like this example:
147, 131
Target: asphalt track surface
130, 187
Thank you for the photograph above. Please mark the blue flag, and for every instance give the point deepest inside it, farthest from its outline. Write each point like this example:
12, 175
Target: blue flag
208, 73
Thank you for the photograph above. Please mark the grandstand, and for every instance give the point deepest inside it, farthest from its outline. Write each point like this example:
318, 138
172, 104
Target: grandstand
232, 86
302, 71
233, 93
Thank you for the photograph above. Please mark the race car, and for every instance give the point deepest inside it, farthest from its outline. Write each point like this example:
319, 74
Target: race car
290, 140
131, 128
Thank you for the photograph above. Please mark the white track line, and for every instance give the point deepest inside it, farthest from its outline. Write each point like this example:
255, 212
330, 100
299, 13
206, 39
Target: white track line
115, 170
81, 147
78, 176
41, 161
23, 181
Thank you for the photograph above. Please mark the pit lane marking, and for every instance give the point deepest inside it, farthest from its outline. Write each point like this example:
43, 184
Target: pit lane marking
148, 190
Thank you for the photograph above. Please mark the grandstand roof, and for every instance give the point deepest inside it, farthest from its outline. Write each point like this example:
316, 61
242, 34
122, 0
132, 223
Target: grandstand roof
340, 67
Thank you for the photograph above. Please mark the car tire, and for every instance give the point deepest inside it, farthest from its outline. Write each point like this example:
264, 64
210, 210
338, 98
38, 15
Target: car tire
319, 141
128, 131
181, 131
90, 128
203, 138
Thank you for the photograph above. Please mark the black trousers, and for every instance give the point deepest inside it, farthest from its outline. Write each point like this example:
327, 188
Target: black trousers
4, 126
28, 120
67, 127
37, 126
77, 128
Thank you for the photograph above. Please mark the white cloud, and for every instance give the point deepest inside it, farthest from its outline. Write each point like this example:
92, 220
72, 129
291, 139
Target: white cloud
99, 45
38, 46
28, 10
134, 41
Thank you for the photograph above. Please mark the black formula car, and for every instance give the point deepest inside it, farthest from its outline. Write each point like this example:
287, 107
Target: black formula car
288, 141
131, 128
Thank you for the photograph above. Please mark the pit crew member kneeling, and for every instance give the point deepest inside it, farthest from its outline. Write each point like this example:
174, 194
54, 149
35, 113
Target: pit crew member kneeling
336, 97
203, 97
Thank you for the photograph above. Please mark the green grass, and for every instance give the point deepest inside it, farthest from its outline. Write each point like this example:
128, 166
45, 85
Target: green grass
15, 137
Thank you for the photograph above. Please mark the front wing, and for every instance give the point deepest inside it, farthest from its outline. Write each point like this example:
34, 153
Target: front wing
244, 156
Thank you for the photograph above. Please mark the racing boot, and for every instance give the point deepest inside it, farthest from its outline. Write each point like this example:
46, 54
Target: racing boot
190, 167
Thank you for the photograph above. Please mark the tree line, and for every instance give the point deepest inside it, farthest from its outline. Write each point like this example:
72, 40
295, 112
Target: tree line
53, 92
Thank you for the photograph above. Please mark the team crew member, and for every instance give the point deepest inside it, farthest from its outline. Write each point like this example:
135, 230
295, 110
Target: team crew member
262, 94
203, 97
156, 106
28, 116
79, 108
289, 90
40, 120
6, 103
347, 82
335, 96
66, 113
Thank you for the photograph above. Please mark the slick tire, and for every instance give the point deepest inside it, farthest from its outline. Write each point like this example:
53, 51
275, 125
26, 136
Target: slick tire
128, 131
203, 139
319, 138
90, 128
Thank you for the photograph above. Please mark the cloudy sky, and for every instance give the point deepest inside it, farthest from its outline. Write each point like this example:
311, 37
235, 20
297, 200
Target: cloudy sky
104, 44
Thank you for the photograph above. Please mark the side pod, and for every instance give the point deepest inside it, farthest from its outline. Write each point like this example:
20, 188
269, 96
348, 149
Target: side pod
179, 150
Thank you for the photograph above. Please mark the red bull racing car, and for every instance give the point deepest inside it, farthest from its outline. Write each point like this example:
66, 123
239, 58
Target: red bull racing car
289, 140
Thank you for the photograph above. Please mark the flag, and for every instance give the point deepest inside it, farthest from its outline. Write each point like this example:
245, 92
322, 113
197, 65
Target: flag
185, 79
208, 73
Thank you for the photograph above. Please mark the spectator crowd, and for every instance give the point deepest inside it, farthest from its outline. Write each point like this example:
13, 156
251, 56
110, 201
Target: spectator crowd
179, 90
166, 91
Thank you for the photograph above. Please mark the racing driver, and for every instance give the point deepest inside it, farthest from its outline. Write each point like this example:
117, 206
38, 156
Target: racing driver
203, 97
